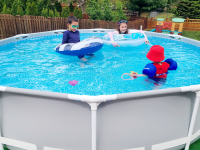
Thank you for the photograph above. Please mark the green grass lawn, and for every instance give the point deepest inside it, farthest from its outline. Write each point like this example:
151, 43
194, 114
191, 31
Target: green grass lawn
189, 34
165, 15
192, 34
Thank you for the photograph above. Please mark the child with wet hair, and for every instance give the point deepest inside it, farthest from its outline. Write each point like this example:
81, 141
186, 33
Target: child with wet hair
122, 28
72, 35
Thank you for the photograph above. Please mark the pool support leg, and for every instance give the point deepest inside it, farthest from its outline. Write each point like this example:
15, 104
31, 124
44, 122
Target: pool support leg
193, 118
94, 124
2, 89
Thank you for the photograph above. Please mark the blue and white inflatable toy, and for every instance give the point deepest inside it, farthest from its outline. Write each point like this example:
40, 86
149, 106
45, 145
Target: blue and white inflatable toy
87, 46
133, 39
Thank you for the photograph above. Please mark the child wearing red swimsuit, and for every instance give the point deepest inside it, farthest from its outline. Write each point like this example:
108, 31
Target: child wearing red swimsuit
158, 69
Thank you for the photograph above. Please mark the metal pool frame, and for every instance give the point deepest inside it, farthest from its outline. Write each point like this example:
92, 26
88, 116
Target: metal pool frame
165, 119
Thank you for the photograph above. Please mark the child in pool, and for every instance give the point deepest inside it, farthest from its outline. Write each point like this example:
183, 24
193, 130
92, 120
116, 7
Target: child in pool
158, 70
122, 29
72, 35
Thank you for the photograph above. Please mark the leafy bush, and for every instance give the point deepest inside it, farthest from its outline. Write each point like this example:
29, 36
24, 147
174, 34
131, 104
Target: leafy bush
65, 12
34, 9
108, 15
1, 5
119, 15
189, 9
8, 11
40, 6
28, 9
57, 14
14, 8
94, 10
44, 12
31, 9
20, 11
8, 3
51, 14
78, 13
71, 7
58, 6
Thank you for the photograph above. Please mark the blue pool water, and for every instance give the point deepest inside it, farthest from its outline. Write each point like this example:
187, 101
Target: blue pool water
33, 64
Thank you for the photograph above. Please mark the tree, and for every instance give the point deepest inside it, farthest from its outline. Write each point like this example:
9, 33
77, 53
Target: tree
51, 14
8, 3
58, 6
71, 7
34, 9
28, 9
4, 11
24, 4
65, 12
15, 5
108, 15
14, 8
31, 1
57, 13
146, 5
8, 11
27, 3
119, 15
189, 9
94, 10
78, 13
20, 11
1, 5
50, 6
40, 6
82, 4
44, 12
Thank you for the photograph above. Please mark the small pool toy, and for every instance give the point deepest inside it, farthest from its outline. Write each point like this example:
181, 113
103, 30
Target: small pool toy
133, 39
130, 74
73, 82
87, 46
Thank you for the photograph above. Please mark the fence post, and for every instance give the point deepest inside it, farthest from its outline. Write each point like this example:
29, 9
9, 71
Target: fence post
18, 21
92, 24
186, 27
49, 23
151, 22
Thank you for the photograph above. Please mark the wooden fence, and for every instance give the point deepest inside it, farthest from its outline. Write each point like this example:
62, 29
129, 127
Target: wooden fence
11, 25
188, 25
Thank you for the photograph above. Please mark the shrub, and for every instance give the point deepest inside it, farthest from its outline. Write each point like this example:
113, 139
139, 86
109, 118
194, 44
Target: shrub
44, 12
58, 6
14, 8
51, 14
71, 7
94, 10
78, 13
57, 14
189, 9
1, 5
20, 11
65, 12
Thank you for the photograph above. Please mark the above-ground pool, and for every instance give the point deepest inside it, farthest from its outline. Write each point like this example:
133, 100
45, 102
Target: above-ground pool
39, 109
34, 64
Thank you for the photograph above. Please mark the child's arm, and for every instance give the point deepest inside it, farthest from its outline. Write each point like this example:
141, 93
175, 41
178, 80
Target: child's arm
135, 31
111, 38
65, 37
172, 63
